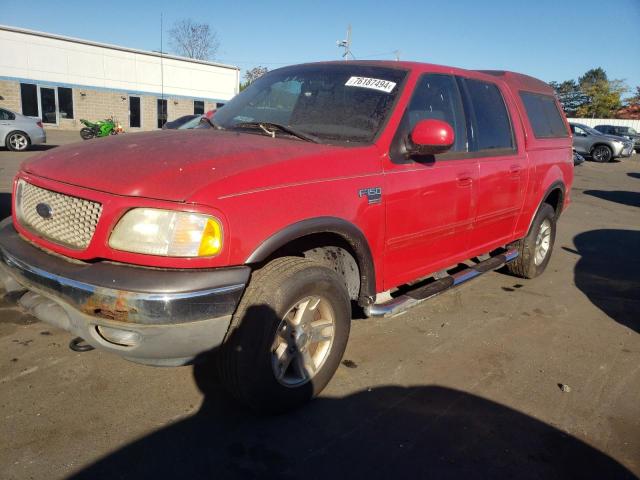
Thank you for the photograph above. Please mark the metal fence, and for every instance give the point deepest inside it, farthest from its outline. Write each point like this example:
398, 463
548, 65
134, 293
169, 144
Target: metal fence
592, 122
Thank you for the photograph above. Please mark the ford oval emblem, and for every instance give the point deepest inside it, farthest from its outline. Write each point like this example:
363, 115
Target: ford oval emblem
44, 210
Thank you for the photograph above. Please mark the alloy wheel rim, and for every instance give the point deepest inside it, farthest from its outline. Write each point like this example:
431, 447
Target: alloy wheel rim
543, 242
17, 141
601, 154
303, 341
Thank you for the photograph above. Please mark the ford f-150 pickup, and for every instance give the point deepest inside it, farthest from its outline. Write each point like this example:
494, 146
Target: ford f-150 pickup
321, 188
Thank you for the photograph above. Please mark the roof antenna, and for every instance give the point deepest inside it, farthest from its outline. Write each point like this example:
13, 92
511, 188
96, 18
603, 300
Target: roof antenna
346, 44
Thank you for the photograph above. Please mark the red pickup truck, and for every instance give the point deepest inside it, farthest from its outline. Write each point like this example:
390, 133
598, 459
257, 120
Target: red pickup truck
323, 187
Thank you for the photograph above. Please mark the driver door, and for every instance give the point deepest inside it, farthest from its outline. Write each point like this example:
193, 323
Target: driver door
429, 201
581, 140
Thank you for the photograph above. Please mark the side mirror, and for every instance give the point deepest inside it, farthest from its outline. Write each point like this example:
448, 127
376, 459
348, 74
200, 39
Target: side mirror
430, 137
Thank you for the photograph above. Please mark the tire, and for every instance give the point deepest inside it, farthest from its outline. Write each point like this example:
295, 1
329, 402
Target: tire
87, 133
602, 154
529, 264
17, 141
255, 349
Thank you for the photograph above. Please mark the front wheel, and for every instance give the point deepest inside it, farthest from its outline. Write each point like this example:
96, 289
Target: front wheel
602, 154
87, 133
288, 335
535, 249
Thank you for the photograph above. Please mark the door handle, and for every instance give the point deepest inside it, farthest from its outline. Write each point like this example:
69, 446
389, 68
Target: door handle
515, 170
464, 179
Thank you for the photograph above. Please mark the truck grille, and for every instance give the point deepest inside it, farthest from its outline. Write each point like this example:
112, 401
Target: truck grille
60, 218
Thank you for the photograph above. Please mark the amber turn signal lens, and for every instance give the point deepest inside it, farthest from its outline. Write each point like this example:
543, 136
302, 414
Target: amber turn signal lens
211, 242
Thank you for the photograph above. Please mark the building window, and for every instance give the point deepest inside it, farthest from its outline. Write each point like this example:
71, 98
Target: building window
198, 107
134, 112
162, 112
65, 102
219, 106
29, 96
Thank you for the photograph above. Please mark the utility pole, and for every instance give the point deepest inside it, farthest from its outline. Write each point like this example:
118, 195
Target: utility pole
346, 44
397, 54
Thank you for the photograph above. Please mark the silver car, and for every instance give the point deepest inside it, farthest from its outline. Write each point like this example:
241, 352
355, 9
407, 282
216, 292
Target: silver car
18, 132
600, 147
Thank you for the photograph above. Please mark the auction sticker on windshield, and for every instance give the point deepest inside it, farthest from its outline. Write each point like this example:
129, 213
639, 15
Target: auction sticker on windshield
374, 83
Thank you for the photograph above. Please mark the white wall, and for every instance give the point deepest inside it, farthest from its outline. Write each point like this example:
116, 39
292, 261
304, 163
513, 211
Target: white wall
33, 56
592, 122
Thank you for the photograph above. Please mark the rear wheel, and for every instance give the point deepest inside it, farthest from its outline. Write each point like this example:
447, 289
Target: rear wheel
288, 335
17, 141
535, 249
602, 153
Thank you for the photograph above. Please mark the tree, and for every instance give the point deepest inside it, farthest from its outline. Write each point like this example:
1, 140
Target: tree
635, 99
252, 75
604, 96
194, 40
570, 95
592, 77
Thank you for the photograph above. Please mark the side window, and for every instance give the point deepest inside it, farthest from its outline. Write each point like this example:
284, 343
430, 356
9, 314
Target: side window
578, 131
437, 97
6, 115
492, 127
543, 115
198, 107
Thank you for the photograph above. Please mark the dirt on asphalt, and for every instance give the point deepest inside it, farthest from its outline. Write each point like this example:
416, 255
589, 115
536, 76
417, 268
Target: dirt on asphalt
501, 378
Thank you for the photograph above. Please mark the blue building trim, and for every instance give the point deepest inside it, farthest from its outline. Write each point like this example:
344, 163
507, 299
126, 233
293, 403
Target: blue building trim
45, 83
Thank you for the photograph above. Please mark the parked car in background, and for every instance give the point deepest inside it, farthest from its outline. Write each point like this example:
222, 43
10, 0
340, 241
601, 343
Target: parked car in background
320, 185
597, 145
18, 132
178, 122
577, 158
199, 121
626, 132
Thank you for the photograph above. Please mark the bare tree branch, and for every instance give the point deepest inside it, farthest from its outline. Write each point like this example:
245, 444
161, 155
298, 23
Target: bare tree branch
194, 40
252, 75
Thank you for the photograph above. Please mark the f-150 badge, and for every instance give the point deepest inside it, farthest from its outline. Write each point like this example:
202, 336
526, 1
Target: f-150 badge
373, 194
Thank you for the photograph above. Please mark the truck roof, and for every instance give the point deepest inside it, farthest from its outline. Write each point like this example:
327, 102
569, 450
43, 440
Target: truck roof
520, 81
516, 81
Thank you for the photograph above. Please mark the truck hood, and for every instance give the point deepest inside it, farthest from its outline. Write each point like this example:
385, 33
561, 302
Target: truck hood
176, 165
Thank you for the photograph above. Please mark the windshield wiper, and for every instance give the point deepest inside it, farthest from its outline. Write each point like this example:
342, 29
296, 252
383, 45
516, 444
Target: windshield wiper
269, 128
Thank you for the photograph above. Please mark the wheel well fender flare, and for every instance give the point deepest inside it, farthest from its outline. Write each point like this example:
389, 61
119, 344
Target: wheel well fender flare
557, 185
600, 144
331, 225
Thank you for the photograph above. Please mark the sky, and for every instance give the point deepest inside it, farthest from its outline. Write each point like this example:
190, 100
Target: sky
551, 40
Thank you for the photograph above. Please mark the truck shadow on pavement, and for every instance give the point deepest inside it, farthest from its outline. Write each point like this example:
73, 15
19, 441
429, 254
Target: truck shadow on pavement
634, 174
383, 432
608, 273
625, 198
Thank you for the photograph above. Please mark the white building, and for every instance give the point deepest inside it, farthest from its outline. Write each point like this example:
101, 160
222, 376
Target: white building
62, 79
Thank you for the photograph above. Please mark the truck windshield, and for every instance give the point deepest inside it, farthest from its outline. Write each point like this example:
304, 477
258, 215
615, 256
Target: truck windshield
334, 103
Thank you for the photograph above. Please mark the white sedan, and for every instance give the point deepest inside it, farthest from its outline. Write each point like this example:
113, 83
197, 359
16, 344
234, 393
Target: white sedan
18, 132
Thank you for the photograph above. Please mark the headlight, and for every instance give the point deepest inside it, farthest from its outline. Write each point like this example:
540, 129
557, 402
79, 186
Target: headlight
166, 232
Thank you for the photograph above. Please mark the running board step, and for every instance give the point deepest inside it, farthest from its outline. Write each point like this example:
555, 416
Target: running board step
414, 297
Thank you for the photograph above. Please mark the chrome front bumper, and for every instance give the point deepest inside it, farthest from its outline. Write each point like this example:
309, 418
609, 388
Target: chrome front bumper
174, 314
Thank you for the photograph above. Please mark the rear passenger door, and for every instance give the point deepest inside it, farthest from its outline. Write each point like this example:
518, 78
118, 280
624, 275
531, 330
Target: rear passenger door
502, 174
